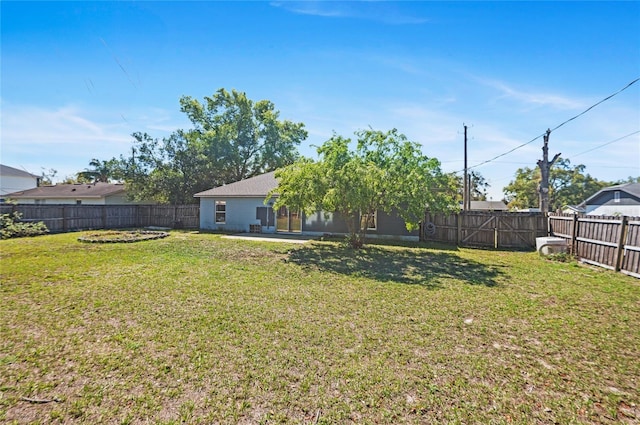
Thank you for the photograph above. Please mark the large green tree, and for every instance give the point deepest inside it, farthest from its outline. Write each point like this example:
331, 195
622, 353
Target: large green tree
168, 170
242, 138
568, 185
385, 172
232, 138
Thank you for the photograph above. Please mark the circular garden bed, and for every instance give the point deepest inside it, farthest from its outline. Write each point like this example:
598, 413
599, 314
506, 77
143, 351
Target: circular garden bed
122, 236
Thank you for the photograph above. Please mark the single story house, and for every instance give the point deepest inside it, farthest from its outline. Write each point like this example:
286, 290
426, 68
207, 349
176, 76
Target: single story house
241, 207
14, 180
623, 199
76, 194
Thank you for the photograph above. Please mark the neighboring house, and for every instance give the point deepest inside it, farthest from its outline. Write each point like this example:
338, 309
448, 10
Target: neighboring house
240, 207
574, 209
77, 194
487, 206
623, 199
13, 180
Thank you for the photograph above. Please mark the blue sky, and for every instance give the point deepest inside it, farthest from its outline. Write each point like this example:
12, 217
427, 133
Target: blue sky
79, 77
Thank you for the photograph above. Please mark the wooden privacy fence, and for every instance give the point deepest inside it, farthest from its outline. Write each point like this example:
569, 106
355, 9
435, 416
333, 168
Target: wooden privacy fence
494, 229
65, 218
610, 242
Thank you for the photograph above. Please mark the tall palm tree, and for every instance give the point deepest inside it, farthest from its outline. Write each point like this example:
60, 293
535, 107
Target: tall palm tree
101, 171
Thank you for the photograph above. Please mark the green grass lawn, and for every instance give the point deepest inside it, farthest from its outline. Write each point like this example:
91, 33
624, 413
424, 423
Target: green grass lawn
195, 328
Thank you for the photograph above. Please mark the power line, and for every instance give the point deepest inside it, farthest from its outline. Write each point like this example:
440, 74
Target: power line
596, 104
499, 179
608, 143
556, 127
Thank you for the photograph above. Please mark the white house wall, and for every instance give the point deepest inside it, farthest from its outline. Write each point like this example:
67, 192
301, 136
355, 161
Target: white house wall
10, 184
121, 199
614, 210
240, 214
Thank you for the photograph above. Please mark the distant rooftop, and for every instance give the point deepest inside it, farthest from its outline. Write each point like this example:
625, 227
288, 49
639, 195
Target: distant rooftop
5, 170
488, 206
631, 188
96, 190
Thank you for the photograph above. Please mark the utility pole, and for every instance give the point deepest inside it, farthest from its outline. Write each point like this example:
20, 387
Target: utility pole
545, 168
465, 191
133, 162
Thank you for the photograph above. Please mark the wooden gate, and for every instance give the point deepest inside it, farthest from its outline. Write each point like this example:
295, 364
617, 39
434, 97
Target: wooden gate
485, 229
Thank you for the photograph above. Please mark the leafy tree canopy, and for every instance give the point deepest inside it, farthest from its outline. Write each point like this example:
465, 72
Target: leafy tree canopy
232, 138
101, 171
47, 176
385, 172
568, 185
242, 137
478, 189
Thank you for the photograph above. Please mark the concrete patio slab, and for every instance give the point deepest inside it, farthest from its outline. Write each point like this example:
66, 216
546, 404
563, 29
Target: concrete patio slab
268, 237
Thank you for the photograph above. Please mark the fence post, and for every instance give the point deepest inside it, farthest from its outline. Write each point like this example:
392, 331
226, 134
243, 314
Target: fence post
574, 235
459, 226
175, 216
65, 225
621, 240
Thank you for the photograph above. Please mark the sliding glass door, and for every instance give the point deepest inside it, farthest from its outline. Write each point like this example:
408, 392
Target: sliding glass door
288, 221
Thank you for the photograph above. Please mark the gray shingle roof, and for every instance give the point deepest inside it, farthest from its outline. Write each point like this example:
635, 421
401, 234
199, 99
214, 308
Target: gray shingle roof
5, 170
631, 188
76, 191
258, 186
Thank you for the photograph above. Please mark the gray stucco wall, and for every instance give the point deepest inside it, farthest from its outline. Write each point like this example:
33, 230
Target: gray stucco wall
240, 214
388, 225
321, 222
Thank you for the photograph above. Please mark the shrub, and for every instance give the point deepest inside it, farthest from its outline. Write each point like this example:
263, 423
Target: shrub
12, 227
561, 257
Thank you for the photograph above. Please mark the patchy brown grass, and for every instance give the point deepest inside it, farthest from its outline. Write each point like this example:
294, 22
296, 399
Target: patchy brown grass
198, 329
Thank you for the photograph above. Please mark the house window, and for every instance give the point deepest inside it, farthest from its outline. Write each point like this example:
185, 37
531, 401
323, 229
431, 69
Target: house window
78, 201
369, 220
616, 196
39, 201
221, 212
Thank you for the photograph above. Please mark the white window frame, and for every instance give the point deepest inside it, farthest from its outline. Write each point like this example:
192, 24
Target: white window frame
375, 220
222, 212
616, 196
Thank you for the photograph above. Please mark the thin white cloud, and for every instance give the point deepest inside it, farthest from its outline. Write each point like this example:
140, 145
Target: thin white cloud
384, 12
66, 138
311, 8
404, 65
64, 126
531, 98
